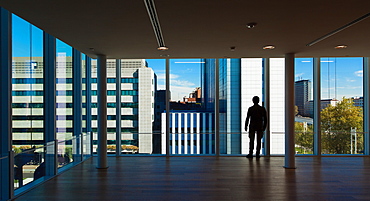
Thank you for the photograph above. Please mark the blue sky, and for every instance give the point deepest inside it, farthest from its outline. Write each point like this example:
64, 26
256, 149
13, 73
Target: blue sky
340, 76
184, 75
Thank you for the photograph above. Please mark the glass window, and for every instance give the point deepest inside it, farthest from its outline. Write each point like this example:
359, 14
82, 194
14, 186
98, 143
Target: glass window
27, 97
303, 105
192, 117
342, 106
64, 72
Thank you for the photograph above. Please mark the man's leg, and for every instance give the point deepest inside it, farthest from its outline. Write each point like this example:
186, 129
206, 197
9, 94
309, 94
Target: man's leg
251, 143
259, 139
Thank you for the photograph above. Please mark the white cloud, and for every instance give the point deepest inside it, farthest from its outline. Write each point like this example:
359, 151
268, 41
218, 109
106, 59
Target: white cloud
349, 80
299, 75
359, 73
178, 92
162, 76
181, 83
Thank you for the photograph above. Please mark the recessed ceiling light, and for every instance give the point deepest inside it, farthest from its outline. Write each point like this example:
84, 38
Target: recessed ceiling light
251, 25
340, 47
268, 47
163, 48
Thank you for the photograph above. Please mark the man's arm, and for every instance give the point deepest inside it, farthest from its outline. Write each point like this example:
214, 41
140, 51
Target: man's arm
247, 121
264, 119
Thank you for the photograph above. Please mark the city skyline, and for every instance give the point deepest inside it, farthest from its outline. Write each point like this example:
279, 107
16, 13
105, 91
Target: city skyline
345, 74
341, 77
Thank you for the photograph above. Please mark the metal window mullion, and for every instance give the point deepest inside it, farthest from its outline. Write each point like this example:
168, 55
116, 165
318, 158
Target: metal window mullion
167, 107
77, 100
366, 92
316, 107
88, 101
217, 107
266, 92
6, 165
50, 103
118, 108
289, 111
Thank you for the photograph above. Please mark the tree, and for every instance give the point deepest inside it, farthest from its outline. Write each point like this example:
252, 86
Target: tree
303, 137
296, 110
336, 124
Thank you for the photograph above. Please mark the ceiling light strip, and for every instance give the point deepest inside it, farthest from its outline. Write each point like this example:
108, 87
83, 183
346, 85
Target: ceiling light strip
339, 29
150, 7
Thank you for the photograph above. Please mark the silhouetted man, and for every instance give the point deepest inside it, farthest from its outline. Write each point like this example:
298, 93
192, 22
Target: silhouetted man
257, 124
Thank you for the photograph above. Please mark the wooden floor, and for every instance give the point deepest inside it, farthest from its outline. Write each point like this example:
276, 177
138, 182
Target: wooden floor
211, 178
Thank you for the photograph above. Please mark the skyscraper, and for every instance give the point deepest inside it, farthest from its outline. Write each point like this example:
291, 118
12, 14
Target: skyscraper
302, 96
137, 102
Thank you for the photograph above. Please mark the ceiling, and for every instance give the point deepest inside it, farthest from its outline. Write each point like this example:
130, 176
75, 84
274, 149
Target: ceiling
202, 28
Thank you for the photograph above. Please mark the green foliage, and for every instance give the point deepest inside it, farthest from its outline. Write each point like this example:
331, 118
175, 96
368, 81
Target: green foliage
336, 124
68, 152
304, 138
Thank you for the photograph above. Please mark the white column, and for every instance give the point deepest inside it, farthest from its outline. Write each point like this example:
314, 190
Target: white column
289, 111
173, 133
185, 133
102, 112
164, 134
316, 106
179, 133
192, 133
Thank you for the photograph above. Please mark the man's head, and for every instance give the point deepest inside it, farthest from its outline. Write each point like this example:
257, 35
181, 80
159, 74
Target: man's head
256, 99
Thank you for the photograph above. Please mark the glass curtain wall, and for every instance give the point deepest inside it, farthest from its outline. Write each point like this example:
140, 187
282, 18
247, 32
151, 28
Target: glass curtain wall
251, 84
304, 105
111, 106
64, 102
158, 67
342, 106
27, 99
230, 98
137, 106
277, 106
192, 106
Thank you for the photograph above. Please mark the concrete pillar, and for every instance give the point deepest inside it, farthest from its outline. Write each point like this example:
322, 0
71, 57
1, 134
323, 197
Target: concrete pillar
289, 111
102, 111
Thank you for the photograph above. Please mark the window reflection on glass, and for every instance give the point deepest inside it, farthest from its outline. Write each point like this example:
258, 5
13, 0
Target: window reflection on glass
64, 111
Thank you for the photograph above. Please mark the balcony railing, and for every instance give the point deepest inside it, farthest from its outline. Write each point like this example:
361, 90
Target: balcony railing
34, 164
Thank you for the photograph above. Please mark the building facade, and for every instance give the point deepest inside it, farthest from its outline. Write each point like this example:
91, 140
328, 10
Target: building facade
302, 96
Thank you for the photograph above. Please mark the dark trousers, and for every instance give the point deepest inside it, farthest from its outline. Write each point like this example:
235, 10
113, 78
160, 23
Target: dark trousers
252, 134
